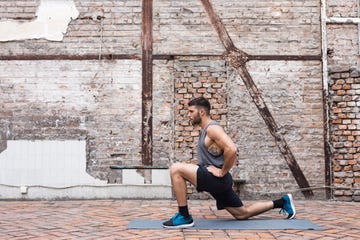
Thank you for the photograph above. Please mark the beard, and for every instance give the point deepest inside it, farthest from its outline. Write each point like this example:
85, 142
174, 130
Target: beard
196, 120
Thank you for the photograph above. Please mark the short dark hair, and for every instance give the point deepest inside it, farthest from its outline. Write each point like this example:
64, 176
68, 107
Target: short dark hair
201, 102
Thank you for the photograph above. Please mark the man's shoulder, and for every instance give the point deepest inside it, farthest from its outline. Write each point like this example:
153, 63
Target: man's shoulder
214, 127
214, 123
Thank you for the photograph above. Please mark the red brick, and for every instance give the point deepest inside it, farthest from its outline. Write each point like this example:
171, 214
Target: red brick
338, 180
336, 87
340, 82
346, 86
336, 110
337, 168
340, 92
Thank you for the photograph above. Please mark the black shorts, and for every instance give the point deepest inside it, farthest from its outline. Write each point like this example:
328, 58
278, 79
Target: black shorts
220, 188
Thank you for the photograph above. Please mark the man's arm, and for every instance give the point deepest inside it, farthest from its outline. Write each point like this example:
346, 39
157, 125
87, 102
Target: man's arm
217, 134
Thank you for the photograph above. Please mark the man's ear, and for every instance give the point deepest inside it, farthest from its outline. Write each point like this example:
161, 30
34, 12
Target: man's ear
202, 112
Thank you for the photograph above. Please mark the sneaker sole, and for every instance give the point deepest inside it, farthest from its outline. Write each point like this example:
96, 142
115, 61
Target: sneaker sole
292, 206
180, 226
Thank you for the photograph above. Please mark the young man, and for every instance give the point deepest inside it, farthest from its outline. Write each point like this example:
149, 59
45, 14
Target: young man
216, 156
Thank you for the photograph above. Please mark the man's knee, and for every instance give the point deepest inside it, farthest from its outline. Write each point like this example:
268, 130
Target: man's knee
176, 168
183, 169
241, 217
243, 214
240, 213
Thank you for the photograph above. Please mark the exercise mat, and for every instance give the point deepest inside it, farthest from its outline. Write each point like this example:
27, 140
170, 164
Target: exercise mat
228, 224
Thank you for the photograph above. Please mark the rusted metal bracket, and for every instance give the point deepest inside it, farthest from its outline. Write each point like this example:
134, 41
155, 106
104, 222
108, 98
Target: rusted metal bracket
237, 60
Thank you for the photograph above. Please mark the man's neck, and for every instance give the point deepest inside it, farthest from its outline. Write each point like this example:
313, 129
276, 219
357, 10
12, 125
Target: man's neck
205, 122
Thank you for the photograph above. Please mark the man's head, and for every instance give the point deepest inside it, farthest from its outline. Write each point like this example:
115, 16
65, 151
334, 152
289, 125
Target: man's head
198, 108
201, 103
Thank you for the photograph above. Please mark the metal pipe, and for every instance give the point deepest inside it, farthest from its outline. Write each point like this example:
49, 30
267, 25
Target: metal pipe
327, 149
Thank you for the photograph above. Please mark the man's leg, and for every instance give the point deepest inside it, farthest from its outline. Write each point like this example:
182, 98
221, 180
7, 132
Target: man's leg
180, 173
245, 212
286, 204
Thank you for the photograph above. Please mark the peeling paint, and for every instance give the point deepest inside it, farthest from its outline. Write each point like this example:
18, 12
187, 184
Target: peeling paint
45, 163
53, 18
3, 142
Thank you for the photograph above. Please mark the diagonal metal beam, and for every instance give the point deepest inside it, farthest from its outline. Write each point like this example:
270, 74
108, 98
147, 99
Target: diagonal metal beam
238, 59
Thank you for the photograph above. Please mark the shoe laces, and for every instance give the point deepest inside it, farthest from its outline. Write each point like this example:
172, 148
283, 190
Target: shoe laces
175, 216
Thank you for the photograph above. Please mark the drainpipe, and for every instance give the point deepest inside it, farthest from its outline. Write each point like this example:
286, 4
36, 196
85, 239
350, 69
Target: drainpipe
326, 114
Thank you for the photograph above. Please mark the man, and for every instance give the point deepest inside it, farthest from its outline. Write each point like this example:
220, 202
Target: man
216, 156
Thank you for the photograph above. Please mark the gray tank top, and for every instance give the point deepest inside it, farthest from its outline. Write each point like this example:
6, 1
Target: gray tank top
205, 158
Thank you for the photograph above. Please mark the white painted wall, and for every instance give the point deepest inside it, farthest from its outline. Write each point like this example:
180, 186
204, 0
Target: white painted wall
53, 18
57, 170
45, 163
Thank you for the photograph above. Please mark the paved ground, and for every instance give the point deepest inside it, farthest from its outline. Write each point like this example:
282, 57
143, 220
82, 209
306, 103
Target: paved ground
108, 219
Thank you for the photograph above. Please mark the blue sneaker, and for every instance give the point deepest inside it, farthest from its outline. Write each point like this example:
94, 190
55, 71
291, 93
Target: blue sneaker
288, 207
179, 221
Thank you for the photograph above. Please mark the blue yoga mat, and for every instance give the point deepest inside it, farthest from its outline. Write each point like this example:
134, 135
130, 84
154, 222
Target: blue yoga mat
228, 224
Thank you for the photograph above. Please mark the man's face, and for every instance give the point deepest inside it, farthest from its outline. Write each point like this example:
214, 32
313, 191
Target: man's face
194, 115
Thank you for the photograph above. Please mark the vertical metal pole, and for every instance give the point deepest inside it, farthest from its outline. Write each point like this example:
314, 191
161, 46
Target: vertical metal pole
327, 151
147, 82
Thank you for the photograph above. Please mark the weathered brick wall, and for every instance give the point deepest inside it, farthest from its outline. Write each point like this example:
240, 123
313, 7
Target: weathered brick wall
257, 27
205, 78
342, 45
296, 104
92, 100
338, 8
194, 79
103, 27
100, 101
342, 39
344, 95
18, 9
163, 113
345, 129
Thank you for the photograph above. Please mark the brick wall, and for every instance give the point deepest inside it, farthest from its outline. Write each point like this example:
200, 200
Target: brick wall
194, 79
100, 101
103, 27
345, 129
296, 104
343, 63
163, 113
92, 100
114, 27
18, 9
257, 27
336, 8
342, 45
342, 39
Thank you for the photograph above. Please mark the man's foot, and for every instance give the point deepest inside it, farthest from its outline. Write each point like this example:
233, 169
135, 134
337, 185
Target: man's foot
179, 221
289, 206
